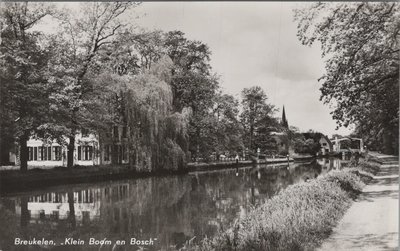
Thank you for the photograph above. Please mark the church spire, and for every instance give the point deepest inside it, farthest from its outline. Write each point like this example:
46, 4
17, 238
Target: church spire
284, 120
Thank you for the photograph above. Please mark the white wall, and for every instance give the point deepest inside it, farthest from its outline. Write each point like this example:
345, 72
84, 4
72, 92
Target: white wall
90, 140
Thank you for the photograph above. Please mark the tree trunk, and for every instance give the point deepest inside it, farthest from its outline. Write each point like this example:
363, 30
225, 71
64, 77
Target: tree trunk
70, 155
24, 211
251, 137
23, 143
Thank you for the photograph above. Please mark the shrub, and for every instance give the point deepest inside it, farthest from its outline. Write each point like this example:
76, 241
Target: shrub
368, 166
348, 179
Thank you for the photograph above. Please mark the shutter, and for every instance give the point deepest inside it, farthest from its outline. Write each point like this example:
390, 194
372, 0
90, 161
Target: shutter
79, 152
90, 152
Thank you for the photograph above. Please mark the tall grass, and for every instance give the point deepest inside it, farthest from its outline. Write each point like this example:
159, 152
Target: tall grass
298, 218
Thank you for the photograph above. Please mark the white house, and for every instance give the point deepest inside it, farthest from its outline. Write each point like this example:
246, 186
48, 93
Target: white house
44, 154
326, 145
89, 150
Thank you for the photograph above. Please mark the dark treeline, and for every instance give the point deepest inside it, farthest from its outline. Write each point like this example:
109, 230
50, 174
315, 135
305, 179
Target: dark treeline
97, 71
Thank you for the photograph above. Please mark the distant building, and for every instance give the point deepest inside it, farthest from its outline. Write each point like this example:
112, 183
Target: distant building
51, 154
281, 138
114, 146
326, 145
346, 144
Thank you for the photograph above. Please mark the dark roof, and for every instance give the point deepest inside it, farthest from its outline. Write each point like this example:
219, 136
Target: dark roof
327, 140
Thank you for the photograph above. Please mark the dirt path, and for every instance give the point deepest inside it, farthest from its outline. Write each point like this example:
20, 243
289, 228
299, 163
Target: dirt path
372, 222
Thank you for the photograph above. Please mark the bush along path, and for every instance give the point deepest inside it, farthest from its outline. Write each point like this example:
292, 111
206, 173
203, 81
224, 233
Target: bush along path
372, 222
298, 218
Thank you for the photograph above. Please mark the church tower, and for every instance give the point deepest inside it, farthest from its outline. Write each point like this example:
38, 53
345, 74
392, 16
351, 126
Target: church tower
284, 121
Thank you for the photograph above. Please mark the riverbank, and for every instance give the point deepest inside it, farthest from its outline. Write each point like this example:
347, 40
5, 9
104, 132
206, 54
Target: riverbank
12, 180
298, 218
233, 164
372, 222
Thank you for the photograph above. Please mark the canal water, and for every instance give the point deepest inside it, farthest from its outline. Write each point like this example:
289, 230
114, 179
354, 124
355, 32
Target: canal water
170, 210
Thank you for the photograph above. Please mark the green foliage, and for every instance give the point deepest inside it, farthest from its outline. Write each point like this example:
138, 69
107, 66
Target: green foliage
361, 44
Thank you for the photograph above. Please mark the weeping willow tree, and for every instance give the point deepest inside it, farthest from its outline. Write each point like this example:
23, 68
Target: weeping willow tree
157, 136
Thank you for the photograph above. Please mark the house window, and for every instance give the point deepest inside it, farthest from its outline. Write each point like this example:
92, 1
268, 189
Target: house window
30, 156
115, 132
324, 144
107, 152
49, 153
88, 152
124, 157
57, 152
35, 150
85, 152
119, 151
44, 153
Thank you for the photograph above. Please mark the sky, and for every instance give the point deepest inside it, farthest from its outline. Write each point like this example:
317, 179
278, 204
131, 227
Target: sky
252, 43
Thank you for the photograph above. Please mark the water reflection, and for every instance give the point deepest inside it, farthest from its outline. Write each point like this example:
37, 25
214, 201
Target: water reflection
172, 209
328, 164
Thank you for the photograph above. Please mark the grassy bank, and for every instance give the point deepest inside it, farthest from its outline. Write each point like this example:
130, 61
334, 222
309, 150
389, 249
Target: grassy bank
298, 218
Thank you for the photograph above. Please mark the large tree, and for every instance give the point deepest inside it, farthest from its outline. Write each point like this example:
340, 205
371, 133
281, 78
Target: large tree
228, 129
257, 119
360, 42
23, 90
80, 41
193, 85
157, 136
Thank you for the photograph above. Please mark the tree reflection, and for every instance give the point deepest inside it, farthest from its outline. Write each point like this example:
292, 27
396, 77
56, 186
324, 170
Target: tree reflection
173, 209
71, 215
24, 211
